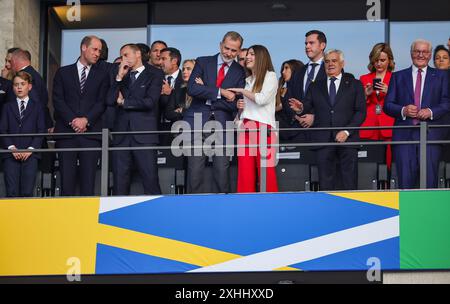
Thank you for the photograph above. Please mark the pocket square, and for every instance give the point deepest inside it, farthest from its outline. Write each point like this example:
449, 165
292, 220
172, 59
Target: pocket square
143, 86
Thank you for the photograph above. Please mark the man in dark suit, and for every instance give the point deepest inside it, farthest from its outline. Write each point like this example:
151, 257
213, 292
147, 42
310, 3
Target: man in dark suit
212, 101
21, 116
337, 101
418, 93
79, 93
21, 61
315, 44
135, 93
170, 63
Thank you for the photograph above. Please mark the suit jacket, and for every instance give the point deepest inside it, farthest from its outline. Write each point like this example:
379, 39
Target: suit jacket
39, 93
206, 69
70, 103
434, 96
373, 119
140, 109
166, 100
349, 109
6, 92
295, 90
33, 121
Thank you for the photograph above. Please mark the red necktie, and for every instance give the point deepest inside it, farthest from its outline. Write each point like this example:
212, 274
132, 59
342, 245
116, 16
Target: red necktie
221, 75
417, 94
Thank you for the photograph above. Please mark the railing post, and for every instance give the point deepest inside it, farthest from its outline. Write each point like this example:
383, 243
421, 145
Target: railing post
423, 155
263, 158
105, 162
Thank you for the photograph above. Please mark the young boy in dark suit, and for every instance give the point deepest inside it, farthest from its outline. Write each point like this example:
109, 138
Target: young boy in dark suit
21, 116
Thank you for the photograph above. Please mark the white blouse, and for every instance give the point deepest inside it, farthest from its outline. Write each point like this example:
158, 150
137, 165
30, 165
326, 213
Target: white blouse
263, 108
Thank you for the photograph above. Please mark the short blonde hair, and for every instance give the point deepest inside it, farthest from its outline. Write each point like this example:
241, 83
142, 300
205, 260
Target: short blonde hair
375, 55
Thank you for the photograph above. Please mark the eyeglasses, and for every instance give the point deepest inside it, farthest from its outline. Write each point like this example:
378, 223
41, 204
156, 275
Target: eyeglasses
417, 52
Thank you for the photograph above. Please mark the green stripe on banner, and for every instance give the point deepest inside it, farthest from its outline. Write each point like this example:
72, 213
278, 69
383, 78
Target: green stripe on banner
425, 229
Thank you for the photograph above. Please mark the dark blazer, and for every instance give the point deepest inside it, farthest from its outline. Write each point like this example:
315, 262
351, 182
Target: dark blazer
6, 92
33, 122
39, 93
206, 69
349, 109
140, 110
70, 103
295, 89
434, 96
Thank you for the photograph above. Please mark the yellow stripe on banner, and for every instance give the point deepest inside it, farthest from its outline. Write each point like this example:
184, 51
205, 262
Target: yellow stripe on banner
161, 247
286, 269
40, 236
385, 199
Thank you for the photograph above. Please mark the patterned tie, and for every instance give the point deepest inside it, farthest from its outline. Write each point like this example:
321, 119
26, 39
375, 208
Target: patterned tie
332, 90
417, 94
221, 75
133, 76
83, 79
22, 109
169, 80
310, 76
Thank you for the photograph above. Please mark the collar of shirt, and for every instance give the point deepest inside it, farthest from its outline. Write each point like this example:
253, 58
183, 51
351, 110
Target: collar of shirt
139, 70
174, 77
415, 70
319, 62
80, 69
24, 68
220, 62
337, 82
26, 99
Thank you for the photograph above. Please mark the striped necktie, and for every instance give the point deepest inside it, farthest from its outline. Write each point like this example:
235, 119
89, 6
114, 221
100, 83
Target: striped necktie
22, 109
83, 79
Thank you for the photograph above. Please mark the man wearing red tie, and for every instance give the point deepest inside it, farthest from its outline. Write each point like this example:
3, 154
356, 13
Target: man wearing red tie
211, 100
418, 93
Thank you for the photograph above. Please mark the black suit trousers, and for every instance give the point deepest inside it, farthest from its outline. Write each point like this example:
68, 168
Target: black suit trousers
72, 174
337, 164
144, 160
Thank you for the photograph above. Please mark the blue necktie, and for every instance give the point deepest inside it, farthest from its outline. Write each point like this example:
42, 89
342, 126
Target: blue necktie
22, 109
133, 76
310, 76
332, 90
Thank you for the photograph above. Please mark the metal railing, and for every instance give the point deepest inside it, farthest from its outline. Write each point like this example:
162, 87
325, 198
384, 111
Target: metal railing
106, 135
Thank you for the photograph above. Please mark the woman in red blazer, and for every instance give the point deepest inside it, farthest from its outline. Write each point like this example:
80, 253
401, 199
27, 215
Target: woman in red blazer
381, 66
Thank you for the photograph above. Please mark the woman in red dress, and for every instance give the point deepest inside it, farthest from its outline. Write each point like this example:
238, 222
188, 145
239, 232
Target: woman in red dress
381, 66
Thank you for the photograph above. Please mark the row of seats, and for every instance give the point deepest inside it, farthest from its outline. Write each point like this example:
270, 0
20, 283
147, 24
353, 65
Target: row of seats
296, 171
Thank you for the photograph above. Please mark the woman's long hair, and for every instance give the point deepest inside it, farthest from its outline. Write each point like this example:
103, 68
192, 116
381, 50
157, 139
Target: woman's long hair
263, 63
295, 65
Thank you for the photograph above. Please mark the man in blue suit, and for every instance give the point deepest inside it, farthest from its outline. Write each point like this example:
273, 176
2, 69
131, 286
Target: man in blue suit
418, 93
79, 94
134, 92
336, 101
21, 116
314, 70
211, 100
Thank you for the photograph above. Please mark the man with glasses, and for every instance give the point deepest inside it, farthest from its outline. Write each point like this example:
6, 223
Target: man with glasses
418, 93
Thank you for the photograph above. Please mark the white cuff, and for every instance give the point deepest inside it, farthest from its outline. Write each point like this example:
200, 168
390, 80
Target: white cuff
403, 115
12, 147
346, 132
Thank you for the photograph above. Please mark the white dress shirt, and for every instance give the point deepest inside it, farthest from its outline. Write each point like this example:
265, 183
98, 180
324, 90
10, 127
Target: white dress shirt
80, 67
174, 78
263, 108
316, 71
337, 82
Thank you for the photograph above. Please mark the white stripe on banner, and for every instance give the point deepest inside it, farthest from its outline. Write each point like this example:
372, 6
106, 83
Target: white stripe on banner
113, 203
311, 249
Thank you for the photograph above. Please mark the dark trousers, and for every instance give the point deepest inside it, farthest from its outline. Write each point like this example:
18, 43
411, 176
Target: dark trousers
332, 159
84, 174
407, 160
20, 177
146, 163
221, 173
